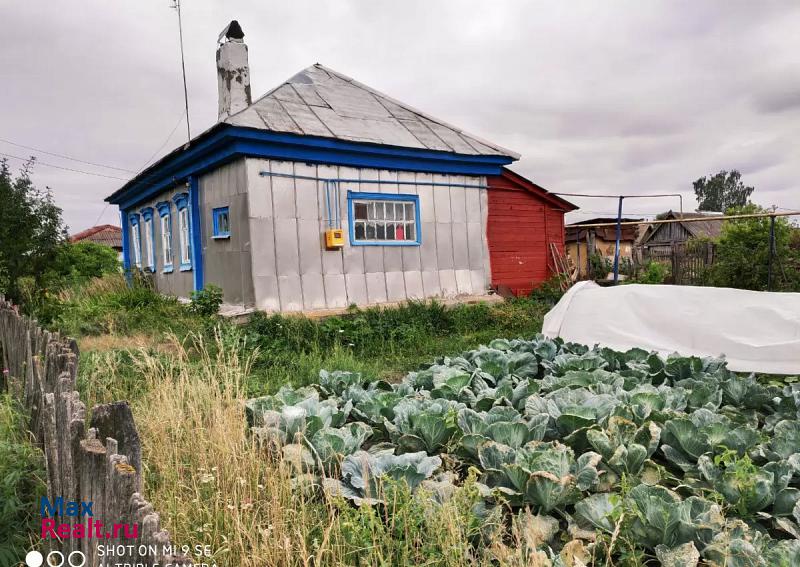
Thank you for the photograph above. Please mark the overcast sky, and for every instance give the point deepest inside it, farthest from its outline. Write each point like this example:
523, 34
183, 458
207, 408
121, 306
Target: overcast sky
598, 97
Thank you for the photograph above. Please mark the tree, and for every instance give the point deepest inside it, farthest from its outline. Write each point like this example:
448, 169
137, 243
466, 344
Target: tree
741, 256
722, 191
31, 230
77, 263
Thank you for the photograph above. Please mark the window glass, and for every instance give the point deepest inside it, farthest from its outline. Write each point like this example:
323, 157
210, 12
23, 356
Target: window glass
384, 221
137, 246
183, 221
148, 243
166, 240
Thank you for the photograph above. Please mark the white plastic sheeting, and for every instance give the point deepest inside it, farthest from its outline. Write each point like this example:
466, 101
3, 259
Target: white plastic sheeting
756, 331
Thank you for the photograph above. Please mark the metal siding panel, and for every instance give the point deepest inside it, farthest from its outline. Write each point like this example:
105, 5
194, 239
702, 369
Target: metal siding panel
309, 245
376, 287
460, 245
313, 291
427, 208
444, 246
430, 283
306, 199
475, 245
395, 286
262, 248
463, 282
286, 248
427, 249
283, 192
413, 282
356, 288
479, 282
291, 293
259, 197
335, 292
447, 280
458, 200
441, 200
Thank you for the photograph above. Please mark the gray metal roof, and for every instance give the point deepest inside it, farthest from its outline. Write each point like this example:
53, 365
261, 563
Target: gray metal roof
318, 101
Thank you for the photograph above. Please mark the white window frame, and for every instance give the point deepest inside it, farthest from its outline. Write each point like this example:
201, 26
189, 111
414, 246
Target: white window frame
184, 235
166, 241
386, 214
149, 243
137, 245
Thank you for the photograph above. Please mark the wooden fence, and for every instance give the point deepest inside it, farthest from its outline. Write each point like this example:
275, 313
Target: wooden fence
688, 261
98, 462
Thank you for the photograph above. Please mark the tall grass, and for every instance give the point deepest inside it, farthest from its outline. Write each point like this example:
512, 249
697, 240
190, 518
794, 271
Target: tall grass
214, 487
22, 482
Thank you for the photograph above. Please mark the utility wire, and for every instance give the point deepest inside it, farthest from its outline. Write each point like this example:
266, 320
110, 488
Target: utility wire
65, 156
65, 168
161, 147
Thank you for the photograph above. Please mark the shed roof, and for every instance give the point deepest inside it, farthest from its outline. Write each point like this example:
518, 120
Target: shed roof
710, 228
106, 234
576, 232
319, 101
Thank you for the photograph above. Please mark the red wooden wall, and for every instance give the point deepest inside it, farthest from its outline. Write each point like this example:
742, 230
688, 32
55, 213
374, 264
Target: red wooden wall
523, 220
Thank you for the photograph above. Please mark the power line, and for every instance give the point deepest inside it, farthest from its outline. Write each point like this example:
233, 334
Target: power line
177, 7
161, 147
65, 156
65, 168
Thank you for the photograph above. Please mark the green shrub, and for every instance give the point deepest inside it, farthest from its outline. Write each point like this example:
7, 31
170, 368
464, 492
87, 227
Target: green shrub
550, 291
21, 483
652, 273
207, 301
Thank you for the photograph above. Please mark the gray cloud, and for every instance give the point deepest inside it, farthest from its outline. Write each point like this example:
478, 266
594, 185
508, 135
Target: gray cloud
598, 97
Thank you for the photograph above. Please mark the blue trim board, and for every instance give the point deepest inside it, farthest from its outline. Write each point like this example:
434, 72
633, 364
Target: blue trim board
358, 196
126, 245
165, 210
196, 250
225, 143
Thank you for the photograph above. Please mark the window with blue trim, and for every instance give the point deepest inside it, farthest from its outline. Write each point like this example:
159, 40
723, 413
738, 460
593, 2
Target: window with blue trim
184, 230
149, 239
383, 219
222, 222
166, 235
136, 240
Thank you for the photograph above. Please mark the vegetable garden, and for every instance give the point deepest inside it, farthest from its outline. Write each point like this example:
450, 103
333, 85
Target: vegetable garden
590, 456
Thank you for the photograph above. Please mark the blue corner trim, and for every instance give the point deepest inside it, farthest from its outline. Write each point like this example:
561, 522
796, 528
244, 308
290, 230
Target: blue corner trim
225, 143
216, 215
126, 246
196, 252
356, 196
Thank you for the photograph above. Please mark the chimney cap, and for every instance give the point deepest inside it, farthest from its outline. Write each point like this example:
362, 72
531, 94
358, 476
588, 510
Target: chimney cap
232, 31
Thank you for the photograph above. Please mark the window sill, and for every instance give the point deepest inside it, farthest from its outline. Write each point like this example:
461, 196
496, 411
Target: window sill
221, 237
167, 269
388, 243
186, 267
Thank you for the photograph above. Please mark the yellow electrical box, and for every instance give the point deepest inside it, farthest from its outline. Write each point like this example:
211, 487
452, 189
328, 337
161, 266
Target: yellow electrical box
334, 238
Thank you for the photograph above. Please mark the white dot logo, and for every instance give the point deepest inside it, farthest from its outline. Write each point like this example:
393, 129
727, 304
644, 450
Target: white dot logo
34, 559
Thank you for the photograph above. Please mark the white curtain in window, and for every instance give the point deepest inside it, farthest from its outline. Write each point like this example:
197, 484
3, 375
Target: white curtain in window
183, 222
166, 240
148, 242
137, 246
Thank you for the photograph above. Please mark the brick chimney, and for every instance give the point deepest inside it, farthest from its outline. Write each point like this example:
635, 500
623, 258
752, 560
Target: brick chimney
233, 71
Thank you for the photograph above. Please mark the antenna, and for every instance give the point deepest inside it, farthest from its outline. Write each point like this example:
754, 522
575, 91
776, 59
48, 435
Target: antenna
176, 5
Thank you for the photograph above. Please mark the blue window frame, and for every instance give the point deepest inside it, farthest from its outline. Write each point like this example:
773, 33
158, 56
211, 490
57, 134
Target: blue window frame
136, 240
222, 222
383, 219
184, 231
149, 239
165, 214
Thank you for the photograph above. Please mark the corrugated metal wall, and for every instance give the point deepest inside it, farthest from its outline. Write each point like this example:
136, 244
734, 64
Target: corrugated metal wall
292, 271
520, 228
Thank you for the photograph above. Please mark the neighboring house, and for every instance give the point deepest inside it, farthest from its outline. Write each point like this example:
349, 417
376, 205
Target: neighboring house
659, 239
325, 193
106, 234
583, 241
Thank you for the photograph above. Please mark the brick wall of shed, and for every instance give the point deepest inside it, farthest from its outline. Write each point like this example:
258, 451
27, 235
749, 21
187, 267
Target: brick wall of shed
519, 230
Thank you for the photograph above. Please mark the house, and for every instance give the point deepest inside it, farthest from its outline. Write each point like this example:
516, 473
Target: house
325, 193
105, 234
584, 241
659, 239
